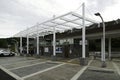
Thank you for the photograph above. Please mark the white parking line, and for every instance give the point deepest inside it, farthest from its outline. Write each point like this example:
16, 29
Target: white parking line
116, 67
78, 74
63, 62
42, 71
10, 73
72, 60
21, 62
28, 65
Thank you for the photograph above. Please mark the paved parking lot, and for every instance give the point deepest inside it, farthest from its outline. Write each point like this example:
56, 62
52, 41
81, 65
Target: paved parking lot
30, 68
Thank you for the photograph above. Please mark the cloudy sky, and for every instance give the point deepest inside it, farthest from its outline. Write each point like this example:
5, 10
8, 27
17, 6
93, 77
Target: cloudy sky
17, 15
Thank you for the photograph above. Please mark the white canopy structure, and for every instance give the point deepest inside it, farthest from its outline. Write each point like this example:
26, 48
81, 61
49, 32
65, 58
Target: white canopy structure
57, 24
61, 23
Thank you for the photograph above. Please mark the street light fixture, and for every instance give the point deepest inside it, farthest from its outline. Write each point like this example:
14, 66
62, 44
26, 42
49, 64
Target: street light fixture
103, 42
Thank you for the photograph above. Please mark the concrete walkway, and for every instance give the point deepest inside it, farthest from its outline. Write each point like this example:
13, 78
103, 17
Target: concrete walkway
95, 72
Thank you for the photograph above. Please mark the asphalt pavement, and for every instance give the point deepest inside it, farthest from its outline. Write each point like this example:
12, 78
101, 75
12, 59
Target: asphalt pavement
98, 75
5, 76
31, 68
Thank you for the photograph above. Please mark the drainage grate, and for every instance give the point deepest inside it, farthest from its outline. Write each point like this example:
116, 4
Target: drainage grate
5, 76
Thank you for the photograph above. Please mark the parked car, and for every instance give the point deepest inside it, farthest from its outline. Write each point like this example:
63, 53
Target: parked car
6, 52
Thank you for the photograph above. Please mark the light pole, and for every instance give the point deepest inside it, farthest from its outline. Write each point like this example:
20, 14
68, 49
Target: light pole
103, 42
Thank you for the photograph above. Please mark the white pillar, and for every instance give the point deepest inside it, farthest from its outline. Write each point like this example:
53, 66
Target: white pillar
83, 31
15, 48
54, 39
109, 48
27, 44
102, 49
104, 42
37, 28
54, 42
21, 45
37, 44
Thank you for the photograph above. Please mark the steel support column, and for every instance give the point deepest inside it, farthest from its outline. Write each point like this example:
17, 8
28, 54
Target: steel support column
27, 44
37, 44
21, 45
54, 42
102, 49
103, 52
83, 31
109, 48
16, 47
83, 60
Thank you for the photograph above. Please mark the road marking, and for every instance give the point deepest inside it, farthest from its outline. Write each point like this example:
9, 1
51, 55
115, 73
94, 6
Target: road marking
28, 65
10, 73
116, 67
72, 60
64, 62
21, 62
11, 61
78, 74
43, 71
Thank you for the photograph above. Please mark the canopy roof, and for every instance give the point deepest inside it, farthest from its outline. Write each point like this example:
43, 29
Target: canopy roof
61, 23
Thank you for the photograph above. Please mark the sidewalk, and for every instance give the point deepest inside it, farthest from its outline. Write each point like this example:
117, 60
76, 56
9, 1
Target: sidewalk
95, 72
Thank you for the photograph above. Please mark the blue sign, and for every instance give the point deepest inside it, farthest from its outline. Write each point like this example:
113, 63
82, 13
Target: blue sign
58, 49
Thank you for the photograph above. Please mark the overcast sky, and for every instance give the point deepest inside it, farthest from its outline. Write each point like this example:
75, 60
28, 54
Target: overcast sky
17, 15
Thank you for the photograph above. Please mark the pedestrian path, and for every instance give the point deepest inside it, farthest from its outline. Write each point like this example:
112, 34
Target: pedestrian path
96, 72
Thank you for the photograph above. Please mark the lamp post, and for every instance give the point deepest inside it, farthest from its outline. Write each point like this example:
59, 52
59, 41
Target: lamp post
103, 42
